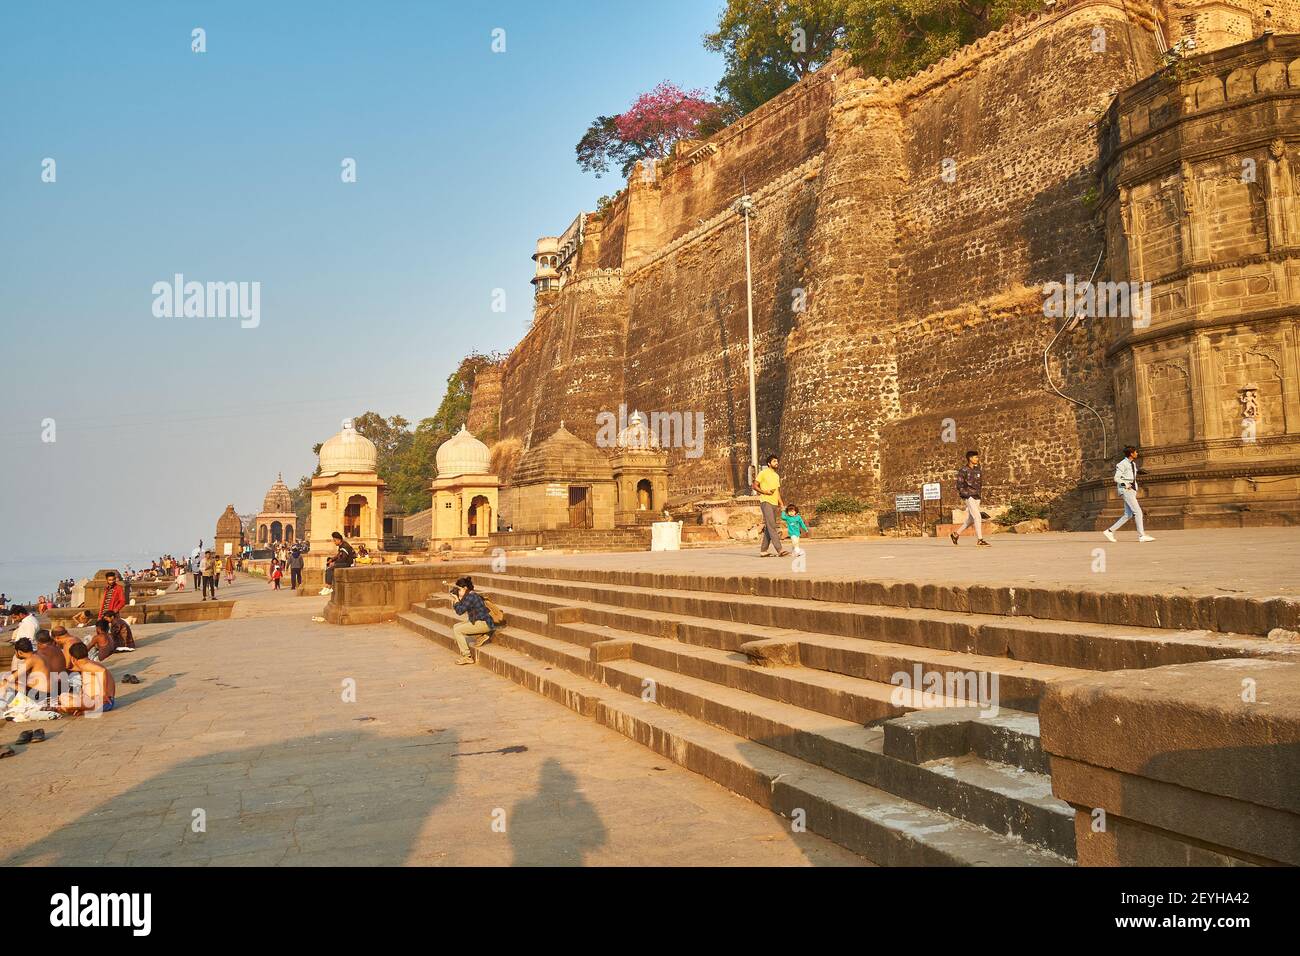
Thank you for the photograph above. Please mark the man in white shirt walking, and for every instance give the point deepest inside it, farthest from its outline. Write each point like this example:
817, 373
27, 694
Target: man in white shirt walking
1126, 485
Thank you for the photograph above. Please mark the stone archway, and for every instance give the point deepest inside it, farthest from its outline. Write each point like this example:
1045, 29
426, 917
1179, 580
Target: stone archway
479, 518
261, 534
644, 495
288, 533
277, 532
354, 516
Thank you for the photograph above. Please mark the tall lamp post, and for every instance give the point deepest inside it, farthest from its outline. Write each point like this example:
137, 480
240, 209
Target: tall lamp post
745, 208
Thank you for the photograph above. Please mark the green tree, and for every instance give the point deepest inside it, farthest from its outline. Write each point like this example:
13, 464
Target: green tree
768, 45
897, 38
405, 458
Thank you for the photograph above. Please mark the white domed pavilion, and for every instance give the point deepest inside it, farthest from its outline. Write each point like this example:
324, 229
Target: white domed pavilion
464, 494
347, 496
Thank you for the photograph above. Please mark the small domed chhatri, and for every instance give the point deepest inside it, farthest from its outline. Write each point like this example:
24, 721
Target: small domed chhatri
463, 454
347, 496
276, 521
464, 493
637, 435
278, 499
348, 452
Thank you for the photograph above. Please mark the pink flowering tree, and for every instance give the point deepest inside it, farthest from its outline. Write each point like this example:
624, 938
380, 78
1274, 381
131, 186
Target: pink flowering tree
648, 130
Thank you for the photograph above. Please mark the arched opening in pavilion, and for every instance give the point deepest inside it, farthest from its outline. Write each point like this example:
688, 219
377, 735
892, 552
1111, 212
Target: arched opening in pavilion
354, 516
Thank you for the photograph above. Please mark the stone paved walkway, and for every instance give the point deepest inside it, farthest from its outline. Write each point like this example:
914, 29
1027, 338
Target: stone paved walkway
243, 723
1256, 562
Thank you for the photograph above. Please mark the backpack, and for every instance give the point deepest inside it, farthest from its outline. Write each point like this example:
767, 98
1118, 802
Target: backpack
498, 616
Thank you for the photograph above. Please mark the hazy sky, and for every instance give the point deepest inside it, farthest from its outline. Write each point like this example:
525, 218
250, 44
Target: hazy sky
225, 166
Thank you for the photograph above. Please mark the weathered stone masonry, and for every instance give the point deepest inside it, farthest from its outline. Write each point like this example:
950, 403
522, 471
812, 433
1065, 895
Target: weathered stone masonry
919, 221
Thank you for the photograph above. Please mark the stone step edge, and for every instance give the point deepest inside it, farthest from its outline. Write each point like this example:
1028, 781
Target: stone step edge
766, 648
874, 824
853, 750
1226, 614
1036, 637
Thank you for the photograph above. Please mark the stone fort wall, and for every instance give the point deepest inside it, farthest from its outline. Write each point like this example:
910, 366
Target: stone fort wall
901, 237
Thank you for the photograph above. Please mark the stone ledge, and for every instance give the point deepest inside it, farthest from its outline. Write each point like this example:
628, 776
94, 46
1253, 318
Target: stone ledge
1187, 772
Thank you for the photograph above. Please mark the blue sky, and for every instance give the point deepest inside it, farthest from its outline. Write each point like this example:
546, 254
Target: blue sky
225, 166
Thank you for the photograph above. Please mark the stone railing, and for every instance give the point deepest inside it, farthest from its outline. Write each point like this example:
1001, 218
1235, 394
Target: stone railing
378, 592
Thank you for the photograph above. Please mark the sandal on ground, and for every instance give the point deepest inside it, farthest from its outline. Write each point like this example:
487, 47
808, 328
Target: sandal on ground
8, 752
130, 679
38, 735
782, 554
466, 660
25, 737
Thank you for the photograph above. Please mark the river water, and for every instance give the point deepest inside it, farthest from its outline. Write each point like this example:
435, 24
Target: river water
23, 580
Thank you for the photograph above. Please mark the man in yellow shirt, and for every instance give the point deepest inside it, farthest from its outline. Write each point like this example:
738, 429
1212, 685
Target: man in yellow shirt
768, 486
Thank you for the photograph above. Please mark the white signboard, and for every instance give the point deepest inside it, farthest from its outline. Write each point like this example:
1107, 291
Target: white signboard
557, 491
907, 504
931, 491
230, 548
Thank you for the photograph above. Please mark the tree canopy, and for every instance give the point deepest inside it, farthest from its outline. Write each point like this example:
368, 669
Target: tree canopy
768, 45
406, 453
649, 129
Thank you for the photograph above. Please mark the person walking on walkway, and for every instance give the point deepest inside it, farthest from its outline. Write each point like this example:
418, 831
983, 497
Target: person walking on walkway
970, 486
196, 568
1126, 483
768, 486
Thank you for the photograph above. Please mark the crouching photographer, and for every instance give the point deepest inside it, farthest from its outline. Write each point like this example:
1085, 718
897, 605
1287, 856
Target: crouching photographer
470, 603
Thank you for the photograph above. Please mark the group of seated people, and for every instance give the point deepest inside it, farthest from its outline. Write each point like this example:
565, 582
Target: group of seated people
62, 672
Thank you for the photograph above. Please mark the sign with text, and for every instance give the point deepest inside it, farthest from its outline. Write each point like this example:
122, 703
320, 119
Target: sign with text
931, 491
907, 504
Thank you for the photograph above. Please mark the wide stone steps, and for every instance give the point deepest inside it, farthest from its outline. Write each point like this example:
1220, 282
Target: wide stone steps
1020, 683
880, 825
1067, 644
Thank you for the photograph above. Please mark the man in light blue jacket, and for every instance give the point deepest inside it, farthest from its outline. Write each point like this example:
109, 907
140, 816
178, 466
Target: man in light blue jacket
1126, 472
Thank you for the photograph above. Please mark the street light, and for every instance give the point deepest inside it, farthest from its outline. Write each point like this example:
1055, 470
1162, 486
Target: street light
745, 208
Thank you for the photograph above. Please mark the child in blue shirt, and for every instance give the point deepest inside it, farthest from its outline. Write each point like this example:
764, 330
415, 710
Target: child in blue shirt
794, 525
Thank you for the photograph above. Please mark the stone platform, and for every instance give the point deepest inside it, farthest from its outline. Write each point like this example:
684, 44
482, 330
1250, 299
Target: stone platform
784, 686
245, 720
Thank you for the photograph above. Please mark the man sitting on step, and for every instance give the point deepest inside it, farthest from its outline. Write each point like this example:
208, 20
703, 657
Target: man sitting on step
470, 603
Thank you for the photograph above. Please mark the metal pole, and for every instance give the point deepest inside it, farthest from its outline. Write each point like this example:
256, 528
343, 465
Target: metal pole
747, 207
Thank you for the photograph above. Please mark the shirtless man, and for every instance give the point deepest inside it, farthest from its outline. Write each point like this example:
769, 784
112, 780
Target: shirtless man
120, 632
97, 688
27, 675
64, 640
101, 645
50, 652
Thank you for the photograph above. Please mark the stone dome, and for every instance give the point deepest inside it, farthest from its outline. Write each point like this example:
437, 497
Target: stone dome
229, 525
348, 451
637, 436
463, 454
278, 500
562, 457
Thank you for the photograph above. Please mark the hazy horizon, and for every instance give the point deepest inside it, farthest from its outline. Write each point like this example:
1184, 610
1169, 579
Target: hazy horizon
225, 166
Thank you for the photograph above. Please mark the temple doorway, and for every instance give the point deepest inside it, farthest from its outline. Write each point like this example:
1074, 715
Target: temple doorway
579, 507
479, 519
644, 495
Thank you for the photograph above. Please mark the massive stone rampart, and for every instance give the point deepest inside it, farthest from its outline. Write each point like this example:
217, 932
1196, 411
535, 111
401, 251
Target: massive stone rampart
901, 236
